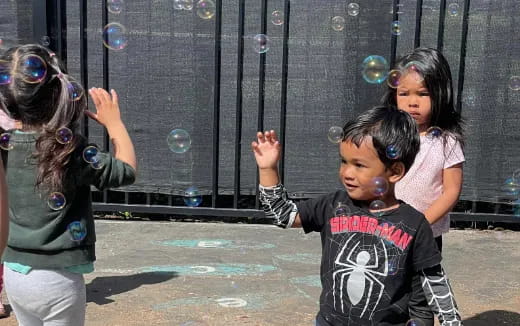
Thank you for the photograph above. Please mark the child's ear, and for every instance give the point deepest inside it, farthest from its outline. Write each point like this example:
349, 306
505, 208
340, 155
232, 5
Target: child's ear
397, 172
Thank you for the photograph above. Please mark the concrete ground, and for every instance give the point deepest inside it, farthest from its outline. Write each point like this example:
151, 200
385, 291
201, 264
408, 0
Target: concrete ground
194, 274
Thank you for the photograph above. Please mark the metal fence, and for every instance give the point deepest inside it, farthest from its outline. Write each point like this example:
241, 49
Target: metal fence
49, 18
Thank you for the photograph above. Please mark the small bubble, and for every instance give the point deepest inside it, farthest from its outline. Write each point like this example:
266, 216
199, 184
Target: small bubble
335, 134
379, 186
5, 142
192, 197
115, 36
56, 201
392, 152
45, 40
453, 9
261, 43
353, 9
433, 132
394, 78
115, 6
514, 83
206, 9
342, 210
338, 23
396, 28
33, 69
179, 141
64, 135
5, 73
277, 17
77, 231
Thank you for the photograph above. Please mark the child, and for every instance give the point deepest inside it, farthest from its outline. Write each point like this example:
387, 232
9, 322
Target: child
434, 182
51, 231
369, 255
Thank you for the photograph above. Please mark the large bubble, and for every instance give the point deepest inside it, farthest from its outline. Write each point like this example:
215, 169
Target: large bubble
374, 69
179, 141
115, 37
33, 69
206, 9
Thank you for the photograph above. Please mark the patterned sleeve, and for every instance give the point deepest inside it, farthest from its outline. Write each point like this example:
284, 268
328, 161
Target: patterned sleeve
313, 212
453, 153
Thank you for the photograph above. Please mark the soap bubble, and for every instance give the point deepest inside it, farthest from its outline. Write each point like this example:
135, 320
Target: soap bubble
379, 186
377, 205
77, 230
192, 197
433, 132
335, 134
91, 155
5, 73
374, 69
179, 141
353, 9
115, 6
514, 83
75, 90
64, 135
394, 78
277, 17
414, 322
453, 9
342, 210
338, 23
392, 152
115, 36
261, 43
33, 69
206, 9
511, 187
56, 201
5, 141
396, 28
414, 67
45, 40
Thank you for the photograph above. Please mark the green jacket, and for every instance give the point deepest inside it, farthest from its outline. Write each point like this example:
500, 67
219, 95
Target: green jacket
44, 238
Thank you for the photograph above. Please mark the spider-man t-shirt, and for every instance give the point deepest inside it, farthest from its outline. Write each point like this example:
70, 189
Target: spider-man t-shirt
367, 260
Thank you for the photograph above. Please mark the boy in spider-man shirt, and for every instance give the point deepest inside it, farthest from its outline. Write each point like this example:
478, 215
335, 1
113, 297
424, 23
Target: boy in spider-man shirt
373, 244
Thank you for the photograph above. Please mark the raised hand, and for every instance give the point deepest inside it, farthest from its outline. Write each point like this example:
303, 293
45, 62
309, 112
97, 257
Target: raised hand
267, 150
107, 107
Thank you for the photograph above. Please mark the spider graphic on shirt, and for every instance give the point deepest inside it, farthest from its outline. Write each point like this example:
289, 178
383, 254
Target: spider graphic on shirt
362, 280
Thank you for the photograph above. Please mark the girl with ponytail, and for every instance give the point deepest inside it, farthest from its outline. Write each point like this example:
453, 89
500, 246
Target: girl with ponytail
51, 169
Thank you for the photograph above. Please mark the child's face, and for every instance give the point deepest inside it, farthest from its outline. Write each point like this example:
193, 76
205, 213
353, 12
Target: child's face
359, 166
413, 97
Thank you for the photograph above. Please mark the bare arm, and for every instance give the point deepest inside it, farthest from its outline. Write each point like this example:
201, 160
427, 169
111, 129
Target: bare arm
452, 186
108, 115
4, 211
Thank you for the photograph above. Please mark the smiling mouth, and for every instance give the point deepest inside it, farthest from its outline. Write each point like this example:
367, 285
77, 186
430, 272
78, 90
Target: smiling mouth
350, 187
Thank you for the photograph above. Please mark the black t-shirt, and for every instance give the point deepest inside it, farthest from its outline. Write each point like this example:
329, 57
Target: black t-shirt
367, 261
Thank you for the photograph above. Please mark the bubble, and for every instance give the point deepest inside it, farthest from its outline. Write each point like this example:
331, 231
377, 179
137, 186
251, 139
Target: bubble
179, 141
234, 285
206, 9
374, 69
56, 201
5, 73
91, 155
261, 43
414, 67
33, 69
115, 36
5, 141
77, 230
377, 205
514, 83
338, 23
516, 176
115, 6
75, 90
64, 135
396, 28
394, 78
353, 9
433, 132
392, 152
178, 4
45, 40
415, 322
192, 197
393, 267
277, 17
511, 187
379, 186
335, 134
453, 9
342, 210
187, 4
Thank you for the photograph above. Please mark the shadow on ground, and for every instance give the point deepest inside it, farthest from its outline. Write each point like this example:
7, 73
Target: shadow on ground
100, 288
494, 317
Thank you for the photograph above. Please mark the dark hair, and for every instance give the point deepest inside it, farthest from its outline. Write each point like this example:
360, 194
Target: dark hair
435, 70
390, 129
44, 105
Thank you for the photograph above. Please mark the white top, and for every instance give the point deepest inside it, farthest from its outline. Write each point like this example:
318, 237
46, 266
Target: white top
422, 184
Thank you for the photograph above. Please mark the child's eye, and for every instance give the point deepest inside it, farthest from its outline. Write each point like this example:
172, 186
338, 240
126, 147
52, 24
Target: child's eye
359, 165
425, 94
401, 94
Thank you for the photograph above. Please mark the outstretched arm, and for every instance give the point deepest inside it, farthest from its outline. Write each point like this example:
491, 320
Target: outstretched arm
440, 296
108, 115
273, 195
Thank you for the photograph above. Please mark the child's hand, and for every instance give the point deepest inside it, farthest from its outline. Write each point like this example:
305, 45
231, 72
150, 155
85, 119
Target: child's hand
107, 107
267, 150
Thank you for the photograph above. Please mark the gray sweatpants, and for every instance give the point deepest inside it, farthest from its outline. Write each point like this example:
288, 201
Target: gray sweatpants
46, 297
